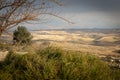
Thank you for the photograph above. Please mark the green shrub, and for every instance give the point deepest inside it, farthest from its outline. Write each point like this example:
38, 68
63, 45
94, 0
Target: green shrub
51, 53
21, 36
54, 64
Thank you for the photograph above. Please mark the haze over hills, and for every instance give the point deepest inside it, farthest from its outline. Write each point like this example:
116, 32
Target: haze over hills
103, 41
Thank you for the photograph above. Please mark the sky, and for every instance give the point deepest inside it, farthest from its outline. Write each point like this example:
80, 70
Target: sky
84, 14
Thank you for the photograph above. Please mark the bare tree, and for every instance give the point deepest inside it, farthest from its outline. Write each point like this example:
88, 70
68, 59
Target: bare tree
14, 12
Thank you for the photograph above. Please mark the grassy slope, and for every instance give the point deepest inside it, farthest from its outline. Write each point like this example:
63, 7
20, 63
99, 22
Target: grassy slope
55, 64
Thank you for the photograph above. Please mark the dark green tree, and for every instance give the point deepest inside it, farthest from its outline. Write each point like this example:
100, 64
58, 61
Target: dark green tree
21, 36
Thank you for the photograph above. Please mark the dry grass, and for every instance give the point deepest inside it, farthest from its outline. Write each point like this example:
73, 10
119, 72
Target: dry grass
74, 66
3, 55
79, 41
60, 36
109, 38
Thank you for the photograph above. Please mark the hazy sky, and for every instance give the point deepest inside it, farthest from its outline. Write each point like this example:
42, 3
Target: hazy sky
84, 14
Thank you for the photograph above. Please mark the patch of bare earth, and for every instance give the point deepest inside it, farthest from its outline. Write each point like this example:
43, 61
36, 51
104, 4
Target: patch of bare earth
3, 55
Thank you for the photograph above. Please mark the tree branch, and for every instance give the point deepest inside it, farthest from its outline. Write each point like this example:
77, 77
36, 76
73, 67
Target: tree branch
56, 16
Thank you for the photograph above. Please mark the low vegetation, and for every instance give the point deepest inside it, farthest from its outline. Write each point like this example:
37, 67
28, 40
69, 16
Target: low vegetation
22, 36
55, 64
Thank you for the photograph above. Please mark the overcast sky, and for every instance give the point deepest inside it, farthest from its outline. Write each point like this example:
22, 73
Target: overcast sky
84, 14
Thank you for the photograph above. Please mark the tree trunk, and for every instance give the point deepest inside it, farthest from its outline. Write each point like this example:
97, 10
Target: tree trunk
1, 31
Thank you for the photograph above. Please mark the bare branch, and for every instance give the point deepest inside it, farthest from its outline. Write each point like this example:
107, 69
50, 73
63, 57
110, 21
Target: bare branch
57, 16
14, 12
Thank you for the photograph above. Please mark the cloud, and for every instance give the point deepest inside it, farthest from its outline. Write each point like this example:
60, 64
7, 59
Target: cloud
86, 14
109, 5
92, 19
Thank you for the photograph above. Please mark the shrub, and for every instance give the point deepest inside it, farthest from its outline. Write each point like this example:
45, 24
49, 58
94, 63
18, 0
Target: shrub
21, 36
51, 53
61, 65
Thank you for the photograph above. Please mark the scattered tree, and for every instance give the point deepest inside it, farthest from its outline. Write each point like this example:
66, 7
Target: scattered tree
22, 36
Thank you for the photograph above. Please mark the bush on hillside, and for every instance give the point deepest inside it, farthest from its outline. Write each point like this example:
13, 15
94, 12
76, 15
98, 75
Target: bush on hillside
21, 36
53, 64
51, 53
